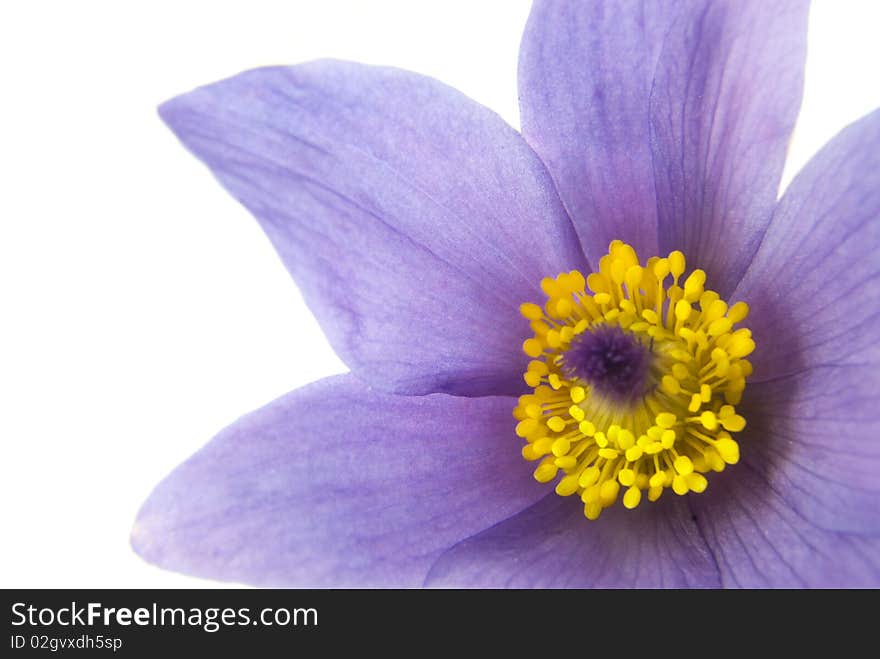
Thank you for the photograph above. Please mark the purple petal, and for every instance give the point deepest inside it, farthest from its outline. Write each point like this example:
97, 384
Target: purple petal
803, 508
551, 545
585, 72
813, 437
338, 485
814, 285
669, 115
814, 289
725, 97
760, 540
414, 220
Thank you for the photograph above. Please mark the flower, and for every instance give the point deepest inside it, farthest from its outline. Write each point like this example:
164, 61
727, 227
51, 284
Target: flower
416, 222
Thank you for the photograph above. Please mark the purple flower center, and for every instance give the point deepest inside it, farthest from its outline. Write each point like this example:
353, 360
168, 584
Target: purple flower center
614, 362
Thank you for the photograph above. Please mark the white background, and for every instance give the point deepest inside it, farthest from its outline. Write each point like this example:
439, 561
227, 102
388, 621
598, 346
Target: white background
141, 309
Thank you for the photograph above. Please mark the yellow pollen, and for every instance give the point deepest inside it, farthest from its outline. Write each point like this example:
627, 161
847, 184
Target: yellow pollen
679, 426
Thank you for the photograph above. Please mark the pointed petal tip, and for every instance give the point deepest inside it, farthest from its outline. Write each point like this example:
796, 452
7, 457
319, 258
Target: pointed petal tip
269, 501
350, 169
151, 535
141, 541
166, 111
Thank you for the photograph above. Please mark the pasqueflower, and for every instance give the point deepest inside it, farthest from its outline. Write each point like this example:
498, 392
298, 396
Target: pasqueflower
697, 402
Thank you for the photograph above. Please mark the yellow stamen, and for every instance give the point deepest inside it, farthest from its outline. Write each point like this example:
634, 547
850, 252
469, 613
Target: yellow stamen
666, 437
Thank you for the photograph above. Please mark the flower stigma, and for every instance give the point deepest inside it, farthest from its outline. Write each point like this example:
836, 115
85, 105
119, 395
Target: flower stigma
635, 385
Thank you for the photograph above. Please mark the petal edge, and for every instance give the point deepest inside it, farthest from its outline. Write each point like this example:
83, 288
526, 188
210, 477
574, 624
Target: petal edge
337, 485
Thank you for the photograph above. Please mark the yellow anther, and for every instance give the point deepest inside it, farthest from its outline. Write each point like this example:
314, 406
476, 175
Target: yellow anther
567, 486
608, 493
664, 432
738, 312
719, 327
654, 448
543, 445
563, 280
551, 288
633, 277
682, 310
587, 428
566, 462
538, 366
658, 479
713, 308
705, 393
715, 461
632, 497
740, 345
728, 449
709, 420
597, 283
526, 427
563, 307
529, 453
696, 482
661, 269
532, 347
683, 465
531, 311
693, 285
577, 281
733, 423
561, 446
633, 453
625, 439
676, 264
589, 477
546, 472
680, 371
679, 485
670, 384
681, 355
623, 251
556, 423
